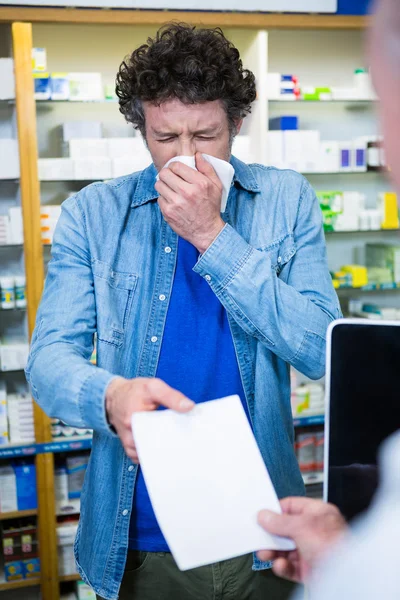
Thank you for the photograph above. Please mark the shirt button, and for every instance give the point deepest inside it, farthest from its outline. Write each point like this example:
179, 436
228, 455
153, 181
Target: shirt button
125, 512
154, 339
167, 249
279, 259
130, 468
207, 278
161, 297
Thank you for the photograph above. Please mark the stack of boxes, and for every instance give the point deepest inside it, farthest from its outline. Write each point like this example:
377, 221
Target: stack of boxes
289, 147
18, 487
347, 211
68, 482
16, 418
9, 159
20, 550
310, 451
49, 216
95, 158
308, 400
66, 533
13, 357
282, 87
11, 228
62, 430
383, 257
286, 87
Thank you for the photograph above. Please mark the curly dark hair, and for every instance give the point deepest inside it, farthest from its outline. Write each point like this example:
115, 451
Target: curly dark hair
192, 65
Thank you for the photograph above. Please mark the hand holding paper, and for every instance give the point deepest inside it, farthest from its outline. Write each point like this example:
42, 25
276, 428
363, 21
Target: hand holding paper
207, 482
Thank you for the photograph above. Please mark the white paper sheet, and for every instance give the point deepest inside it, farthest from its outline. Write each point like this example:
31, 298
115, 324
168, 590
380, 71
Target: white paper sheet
207, 481
223, 169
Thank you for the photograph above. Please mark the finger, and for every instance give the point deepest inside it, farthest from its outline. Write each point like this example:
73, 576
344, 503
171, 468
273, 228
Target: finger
285, 569
186, 173
175, 182
164, 190
284, 525
161, 393
207, 169
298, 505
267, 555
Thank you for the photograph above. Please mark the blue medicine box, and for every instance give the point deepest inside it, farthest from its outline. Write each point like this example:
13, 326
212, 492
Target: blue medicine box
25, 475
285, 123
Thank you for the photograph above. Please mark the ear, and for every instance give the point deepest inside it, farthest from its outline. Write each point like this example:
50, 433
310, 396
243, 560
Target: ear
238, 125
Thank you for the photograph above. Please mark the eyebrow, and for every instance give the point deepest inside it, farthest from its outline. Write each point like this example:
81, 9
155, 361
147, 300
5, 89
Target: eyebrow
205, 131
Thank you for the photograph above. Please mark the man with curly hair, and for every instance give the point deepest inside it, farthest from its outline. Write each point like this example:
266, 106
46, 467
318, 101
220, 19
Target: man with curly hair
188, 304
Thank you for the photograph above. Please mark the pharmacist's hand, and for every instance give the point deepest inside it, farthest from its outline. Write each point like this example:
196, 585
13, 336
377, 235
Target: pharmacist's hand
127, 396
190, 201
315, 527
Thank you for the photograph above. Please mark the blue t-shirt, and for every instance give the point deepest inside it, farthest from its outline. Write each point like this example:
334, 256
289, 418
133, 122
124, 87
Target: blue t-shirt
197, 358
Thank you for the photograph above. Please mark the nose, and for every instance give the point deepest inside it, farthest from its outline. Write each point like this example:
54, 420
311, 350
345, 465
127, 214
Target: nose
187, 146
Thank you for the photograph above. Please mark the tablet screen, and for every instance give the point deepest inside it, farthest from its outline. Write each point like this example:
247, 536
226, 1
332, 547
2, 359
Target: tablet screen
364, 409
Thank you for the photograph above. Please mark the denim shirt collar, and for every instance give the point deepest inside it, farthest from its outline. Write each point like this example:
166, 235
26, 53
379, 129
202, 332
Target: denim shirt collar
145, 190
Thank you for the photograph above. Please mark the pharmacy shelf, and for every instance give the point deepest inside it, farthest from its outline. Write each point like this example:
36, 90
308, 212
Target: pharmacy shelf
312, 478
353, 101
367, 172
13, 309
72, 577
72, 180
360, 231
13, 585
311, 420
18, 514
371, 287
12, 246
54, 102
68, 445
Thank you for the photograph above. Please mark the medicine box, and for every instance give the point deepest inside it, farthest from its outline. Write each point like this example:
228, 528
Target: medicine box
7, 87
284, 123
87, 148
13, 357
8, 490
122, 147
85, 87
13, 571
9, 163
31, 567
76, 469
16, 225
39, 60
384, 256
84, 592
92, 168
42, 86
59, 86
56, 169
80, 129
26, 486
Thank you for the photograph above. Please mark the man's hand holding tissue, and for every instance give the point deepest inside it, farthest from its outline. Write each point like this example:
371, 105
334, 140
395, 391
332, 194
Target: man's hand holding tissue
315, 527
127, 396
190, 201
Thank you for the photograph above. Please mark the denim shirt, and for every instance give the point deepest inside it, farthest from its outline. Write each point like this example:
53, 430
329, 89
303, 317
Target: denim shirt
112, 270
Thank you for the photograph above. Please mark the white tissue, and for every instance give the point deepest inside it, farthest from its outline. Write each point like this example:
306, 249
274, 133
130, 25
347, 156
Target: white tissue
223, 169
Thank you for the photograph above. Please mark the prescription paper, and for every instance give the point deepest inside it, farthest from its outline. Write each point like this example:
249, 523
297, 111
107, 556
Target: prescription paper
207, 481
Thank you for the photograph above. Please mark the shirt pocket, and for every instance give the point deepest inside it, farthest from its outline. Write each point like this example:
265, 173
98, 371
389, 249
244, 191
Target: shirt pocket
113, 294
280, 252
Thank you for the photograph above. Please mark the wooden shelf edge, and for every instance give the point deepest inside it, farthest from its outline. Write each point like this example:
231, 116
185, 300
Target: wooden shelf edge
251, 20
74, 577
18, 514
13, 585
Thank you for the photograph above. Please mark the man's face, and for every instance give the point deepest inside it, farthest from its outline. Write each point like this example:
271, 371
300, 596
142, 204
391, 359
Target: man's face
174, 129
